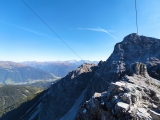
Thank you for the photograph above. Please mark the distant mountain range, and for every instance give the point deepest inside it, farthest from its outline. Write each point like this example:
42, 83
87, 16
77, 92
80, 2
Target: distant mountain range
31, 72
58, 68
32, 78
16, 73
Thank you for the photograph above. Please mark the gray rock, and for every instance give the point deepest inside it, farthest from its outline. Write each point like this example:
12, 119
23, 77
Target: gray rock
155, 115
135, 100
156, 98
139, 69
126, 97
142, 114
121, 109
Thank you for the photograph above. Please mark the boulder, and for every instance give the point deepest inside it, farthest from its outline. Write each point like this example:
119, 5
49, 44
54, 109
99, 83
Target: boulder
121, 109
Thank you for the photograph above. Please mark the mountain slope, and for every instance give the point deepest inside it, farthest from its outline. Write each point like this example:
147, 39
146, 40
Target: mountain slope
13, 73
12, 96
64, 93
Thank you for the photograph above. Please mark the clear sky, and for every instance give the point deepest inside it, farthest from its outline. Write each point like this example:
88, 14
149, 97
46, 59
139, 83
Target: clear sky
90, 27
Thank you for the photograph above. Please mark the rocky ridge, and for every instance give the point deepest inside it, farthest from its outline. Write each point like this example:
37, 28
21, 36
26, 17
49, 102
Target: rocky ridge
58, 68
134, 97
63, 94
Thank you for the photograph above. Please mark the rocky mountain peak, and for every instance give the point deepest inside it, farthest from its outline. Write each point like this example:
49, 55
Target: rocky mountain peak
133, 48
135, 38
84, 68
131, 37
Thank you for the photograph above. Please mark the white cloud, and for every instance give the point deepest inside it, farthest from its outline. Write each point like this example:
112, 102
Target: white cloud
28, 30
32, 31
99, 30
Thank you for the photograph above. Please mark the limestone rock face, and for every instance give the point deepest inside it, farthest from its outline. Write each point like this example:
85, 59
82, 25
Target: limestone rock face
133, 48
134, 97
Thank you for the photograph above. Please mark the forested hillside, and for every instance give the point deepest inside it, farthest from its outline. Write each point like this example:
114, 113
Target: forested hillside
12, 96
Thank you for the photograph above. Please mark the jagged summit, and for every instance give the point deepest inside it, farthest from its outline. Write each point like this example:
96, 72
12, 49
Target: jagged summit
131, 37
134, 37
133, 48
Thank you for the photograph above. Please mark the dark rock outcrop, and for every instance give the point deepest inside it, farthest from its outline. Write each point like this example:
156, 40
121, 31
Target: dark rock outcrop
154, 71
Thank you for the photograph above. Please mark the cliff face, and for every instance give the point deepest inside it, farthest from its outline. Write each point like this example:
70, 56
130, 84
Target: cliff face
132, 49
78, 86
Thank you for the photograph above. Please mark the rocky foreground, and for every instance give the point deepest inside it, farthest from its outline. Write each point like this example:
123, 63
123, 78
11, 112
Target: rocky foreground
134, 97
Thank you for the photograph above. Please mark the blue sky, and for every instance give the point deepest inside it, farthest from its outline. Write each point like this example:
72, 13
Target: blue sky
90, 27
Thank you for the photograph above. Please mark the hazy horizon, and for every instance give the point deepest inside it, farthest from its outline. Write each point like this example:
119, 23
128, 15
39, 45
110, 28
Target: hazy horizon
50, 61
